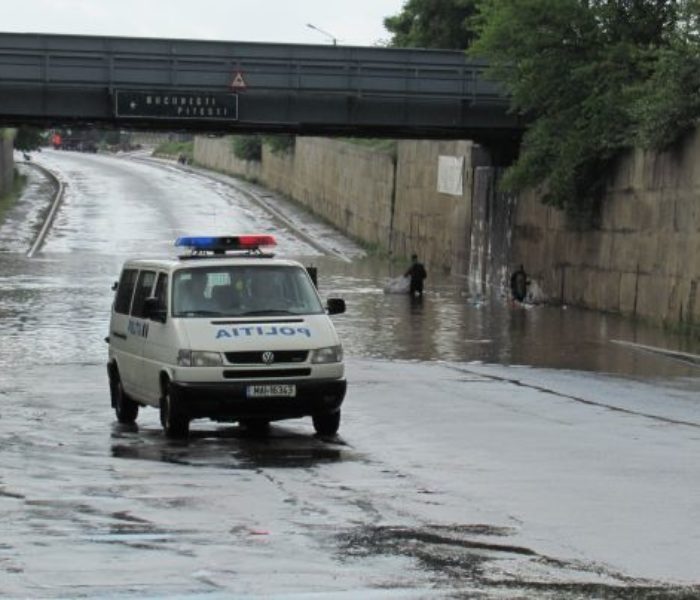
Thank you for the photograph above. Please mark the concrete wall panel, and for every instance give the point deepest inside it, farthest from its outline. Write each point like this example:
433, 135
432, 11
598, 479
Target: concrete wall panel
6, 162
645, 257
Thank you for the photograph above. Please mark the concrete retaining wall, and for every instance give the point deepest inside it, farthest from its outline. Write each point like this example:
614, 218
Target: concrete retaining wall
346, 184
435, 225
644, 260
217, 154
386, 202
6, 162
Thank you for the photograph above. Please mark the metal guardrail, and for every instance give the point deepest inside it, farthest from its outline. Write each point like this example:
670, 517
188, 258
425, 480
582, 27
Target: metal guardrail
283, 84
50, 216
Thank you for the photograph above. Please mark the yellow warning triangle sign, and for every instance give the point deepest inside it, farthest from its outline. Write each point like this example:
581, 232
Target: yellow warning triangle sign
238, 82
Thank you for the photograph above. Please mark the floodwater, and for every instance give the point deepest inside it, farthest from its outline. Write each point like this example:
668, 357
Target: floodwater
449, 325
55, 307
455, 474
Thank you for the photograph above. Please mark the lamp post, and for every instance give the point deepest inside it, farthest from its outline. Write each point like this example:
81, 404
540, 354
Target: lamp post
334, 40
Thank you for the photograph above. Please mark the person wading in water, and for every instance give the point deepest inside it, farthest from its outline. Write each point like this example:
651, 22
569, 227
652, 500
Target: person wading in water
417, 273
518, 284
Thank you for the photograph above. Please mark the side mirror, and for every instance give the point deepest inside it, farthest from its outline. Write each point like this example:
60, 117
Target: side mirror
115, 285
335, 306
153, 311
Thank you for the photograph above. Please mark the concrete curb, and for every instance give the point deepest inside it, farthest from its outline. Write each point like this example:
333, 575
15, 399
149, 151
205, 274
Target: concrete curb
281, 217
685, 357
51, 215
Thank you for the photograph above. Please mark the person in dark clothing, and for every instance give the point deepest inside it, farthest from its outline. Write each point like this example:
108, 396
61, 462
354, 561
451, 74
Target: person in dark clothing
417, 273
518, 284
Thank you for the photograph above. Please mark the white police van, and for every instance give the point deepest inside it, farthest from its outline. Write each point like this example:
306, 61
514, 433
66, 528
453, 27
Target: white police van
225, 332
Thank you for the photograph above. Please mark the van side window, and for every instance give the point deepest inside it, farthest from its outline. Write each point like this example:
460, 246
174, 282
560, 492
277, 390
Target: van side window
125, 291
162, 291
143, 291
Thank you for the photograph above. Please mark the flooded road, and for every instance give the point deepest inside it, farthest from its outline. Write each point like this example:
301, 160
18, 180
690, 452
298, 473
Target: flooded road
485, 450
117, 208
448, 325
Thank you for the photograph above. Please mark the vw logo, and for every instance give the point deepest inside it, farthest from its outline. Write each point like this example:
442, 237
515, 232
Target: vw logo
268, 358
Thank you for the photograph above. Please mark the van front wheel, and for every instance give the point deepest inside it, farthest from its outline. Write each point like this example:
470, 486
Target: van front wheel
176, 424
327, 424
125, 408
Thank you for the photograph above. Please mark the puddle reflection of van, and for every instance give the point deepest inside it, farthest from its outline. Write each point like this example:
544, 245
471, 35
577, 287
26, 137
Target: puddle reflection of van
225, 332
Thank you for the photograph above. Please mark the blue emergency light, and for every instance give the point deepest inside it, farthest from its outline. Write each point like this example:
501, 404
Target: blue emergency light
225, 243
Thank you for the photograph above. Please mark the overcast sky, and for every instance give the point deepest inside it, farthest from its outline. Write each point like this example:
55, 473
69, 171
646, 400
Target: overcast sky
352, 22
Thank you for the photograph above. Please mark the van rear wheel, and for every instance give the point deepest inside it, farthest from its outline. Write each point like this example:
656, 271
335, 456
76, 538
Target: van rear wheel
176, 424
327, 424
124, 407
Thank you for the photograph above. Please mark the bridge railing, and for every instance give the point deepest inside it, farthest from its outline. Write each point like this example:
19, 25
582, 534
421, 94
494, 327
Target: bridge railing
87, 62
301, 89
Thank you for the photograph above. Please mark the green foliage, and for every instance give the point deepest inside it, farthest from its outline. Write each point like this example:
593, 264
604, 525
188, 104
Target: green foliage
382, 145
112, 137
592, 78
247, 147
280, 144
175, 149
28, 139
667, 102
433, 24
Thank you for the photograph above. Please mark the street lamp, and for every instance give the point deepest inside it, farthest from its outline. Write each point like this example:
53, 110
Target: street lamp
310, 26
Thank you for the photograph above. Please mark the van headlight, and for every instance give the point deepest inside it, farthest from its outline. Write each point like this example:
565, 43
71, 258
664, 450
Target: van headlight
196, 358
331, 354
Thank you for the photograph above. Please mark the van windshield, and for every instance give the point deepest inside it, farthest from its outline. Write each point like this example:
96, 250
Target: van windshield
234, 291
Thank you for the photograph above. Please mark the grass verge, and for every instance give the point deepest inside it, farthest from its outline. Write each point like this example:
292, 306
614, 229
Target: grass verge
8, 200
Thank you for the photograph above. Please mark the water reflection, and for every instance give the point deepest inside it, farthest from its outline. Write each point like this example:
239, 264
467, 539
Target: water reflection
448, 324
230, 448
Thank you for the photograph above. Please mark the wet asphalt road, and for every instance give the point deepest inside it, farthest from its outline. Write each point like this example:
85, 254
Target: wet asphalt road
571, 475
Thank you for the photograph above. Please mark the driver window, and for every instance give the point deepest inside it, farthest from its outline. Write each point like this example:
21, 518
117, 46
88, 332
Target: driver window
144, 285
161, 292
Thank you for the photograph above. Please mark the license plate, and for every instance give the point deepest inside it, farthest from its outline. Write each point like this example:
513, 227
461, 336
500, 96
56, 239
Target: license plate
272, 391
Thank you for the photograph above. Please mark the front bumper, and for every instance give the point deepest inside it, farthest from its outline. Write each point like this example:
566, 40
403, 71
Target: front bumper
228, 401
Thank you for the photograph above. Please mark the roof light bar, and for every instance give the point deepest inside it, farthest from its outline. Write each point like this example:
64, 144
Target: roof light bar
224, 243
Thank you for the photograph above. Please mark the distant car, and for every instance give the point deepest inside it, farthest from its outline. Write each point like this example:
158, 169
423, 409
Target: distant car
226, 332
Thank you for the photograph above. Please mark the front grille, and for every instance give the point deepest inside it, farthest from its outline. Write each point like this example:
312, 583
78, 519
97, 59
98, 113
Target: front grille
265, 373
255, 358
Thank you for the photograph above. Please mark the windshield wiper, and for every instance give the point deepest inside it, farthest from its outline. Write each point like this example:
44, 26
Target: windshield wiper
200, 313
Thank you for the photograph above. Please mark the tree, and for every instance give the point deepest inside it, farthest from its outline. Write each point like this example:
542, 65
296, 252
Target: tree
668, 100
28, 139
580, 73
282, 143
247, 147
433, 24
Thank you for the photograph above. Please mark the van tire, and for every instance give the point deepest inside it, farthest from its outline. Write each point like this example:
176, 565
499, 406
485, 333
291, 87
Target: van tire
327, 424
257, 427
124, 407
176, 424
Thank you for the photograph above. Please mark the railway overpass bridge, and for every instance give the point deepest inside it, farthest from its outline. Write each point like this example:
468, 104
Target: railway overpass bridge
230, 87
